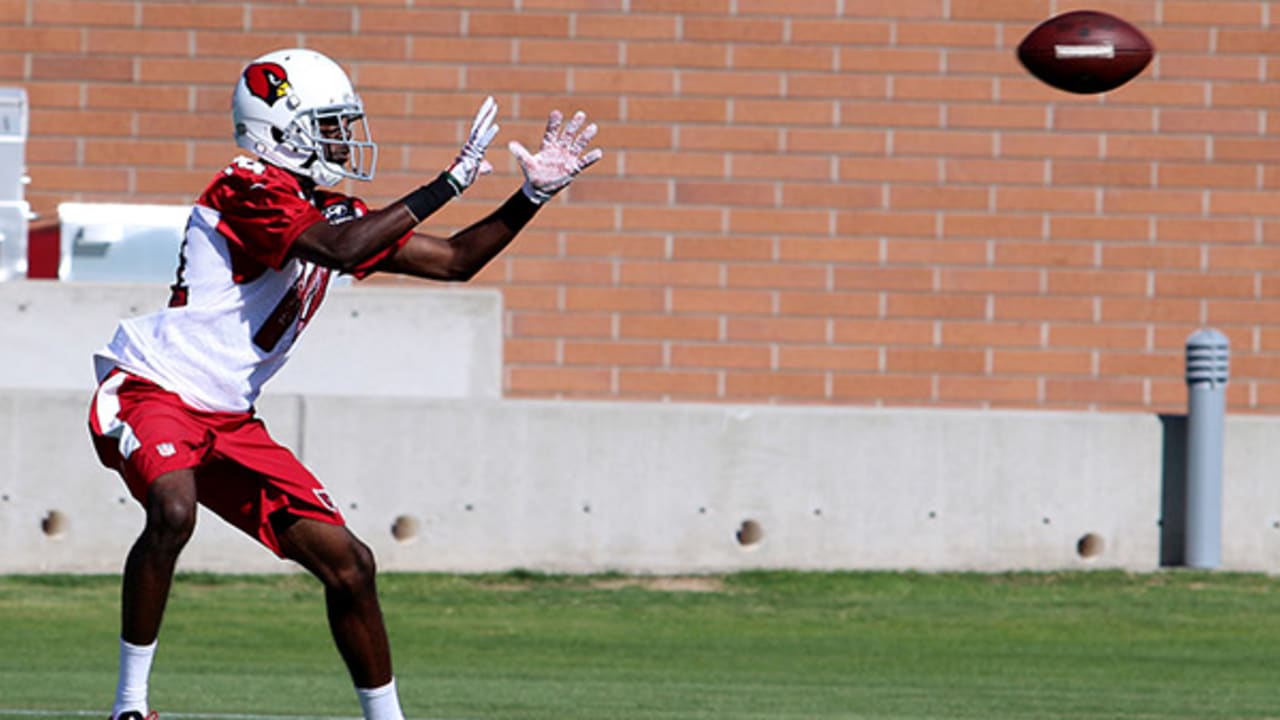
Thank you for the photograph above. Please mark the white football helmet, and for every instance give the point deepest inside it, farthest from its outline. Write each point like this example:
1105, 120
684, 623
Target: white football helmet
280, 104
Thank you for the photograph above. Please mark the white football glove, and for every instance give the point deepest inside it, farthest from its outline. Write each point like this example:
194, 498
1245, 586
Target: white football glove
470, 162
559, 159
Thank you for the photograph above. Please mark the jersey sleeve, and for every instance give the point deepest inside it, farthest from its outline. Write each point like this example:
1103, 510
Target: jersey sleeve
261, 210
342, 208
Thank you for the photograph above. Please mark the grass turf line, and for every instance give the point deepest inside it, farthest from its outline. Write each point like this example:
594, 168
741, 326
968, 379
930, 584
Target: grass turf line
883, 646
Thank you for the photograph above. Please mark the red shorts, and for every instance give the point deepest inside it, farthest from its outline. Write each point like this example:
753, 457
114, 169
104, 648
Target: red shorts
143, 431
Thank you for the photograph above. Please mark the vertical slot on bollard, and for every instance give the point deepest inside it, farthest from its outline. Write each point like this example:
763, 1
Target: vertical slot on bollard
1208, 366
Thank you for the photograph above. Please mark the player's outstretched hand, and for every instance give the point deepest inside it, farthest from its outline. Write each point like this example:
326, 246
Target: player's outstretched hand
470, 162
559, 159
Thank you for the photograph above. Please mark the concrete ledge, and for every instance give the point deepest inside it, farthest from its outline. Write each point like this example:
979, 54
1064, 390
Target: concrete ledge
488, 484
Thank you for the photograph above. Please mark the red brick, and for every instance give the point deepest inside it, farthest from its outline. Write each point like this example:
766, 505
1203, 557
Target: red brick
992, 225
904, 251
935, 305
721, 301
1100, 282
840, 32
1047, 254
1207, 175
1219, 12
891, 169
948, 34
670, 274
730, 83
721, 247
1102, 172
517, 351
1140, 365
776, 330
915, 142
986, 280
783, 386
612, 354
628, 26
829, 304
1032, 11
940, 360
938, 197
784, 57
595, 299
667, 383
989, 390
884, 278
547, 324
1152, 257
1031, 307
1177, 66
780, 276
895, 224
1172, 202
42, 40
890, 60
1096, 336
991, 335
1171, 284
669, 327
828, 249
1160, 310
880, 114
1142, 147
727, 138
720, 355
672, 219
677, 55
568, 382
81, 13
444, 23
621, 80
826, 357
1101, 391
864, 386
987, 172
778, 220
1051, 199
1198, 230
1041, 362
733, 29
1050, 145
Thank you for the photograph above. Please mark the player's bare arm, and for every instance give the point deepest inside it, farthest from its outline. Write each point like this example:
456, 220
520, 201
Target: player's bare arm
345, 246
562, 155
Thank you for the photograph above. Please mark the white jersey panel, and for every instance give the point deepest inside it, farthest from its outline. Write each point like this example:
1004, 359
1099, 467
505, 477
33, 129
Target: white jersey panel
230, 337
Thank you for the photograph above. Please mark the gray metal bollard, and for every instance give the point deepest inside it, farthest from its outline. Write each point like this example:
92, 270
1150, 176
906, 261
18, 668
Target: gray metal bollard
1208, 366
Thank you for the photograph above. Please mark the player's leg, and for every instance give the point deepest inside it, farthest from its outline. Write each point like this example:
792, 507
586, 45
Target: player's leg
148, 570
346, 568
148, 576
155, 444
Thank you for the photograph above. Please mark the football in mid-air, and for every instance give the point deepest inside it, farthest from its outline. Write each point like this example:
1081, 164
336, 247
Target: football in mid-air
1085, 51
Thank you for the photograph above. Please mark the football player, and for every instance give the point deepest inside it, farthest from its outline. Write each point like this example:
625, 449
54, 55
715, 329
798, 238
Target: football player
174, 410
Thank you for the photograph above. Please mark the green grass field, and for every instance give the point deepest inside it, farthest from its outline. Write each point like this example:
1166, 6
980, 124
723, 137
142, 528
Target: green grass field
753, 645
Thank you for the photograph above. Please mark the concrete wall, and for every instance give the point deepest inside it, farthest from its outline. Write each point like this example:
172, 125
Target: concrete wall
375, 341
655, 488
445, 475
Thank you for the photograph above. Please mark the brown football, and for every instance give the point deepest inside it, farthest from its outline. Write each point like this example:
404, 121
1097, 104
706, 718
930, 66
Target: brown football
1085, 51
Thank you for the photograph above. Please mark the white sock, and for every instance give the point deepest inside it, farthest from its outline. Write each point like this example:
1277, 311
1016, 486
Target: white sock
380, 703
135, 670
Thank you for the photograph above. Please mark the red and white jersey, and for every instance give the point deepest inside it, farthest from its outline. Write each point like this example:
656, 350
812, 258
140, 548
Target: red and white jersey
241, 299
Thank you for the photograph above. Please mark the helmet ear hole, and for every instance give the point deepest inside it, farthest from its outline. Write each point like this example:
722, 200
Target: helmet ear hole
277, 134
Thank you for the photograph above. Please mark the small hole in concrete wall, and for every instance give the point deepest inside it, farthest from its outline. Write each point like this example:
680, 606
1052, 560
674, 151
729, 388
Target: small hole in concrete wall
1090, 545
54, 524
405, 528
749, 533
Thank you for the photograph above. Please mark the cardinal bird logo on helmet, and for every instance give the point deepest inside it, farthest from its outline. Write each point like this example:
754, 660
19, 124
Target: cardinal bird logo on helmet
267, 81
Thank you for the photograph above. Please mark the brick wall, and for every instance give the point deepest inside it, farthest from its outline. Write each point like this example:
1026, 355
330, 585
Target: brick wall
802, 201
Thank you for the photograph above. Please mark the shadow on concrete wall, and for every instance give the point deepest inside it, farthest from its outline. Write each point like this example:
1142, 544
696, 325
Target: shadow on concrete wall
1173, 490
